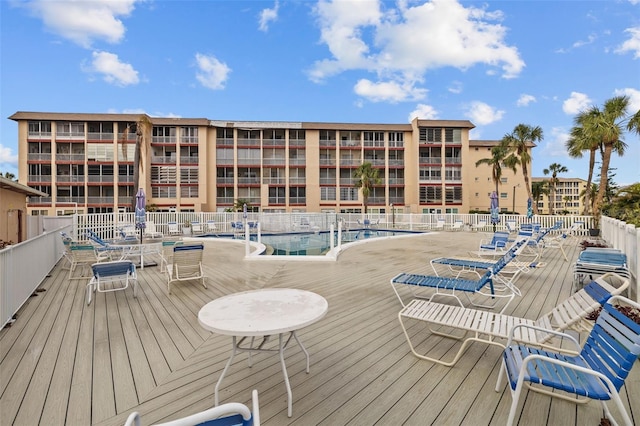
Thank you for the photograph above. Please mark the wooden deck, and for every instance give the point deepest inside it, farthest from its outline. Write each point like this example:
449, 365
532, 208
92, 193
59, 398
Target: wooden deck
63, 362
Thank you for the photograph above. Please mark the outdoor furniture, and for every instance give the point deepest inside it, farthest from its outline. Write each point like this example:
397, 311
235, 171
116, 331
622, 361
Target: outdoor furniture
232, 413
196, 227
150, 230
458, 225
186, 264
112, 276
440, 224
263, 313
597, 372
210, 226
594, 261
496, 246
511, 225
166, 255
482, 224
238, 227
452, 287
494, 328
174, 228
84, 255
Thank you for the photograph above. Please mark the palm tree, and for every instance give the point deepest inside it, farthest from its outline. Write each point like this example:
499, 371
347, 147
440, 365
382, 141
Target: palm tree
496, 161
608, 126
9, 175
567, 199
367, 177
554, 169
538, 189
580, 141
518, 143
588, 194
143, 129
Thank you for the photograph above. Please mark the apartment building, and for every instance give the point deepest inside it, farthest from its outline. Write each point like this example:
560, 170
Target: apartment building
569, 196
85, 162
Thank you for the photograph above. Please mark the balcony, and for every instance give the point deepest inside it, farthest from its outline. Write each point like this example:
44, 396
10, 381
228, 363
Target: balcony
328, 143
249, 181
69, 135
396, 201
297, 180
69, 200
69, 178
248, 142
347, 182
350, 144
274, 180
297, 200
39, 156
248, 161
273, 142
224, 142
70, 157
39, 135
163, 139
101, 178
225, 180
350, 161
125, 178
102, 200
278, 161
297, 161
225, 200
100, 136
39, 200
161, 159
377, 200
375, 161
328, 161
453, 160
396, 163
189, 159
430, 160
297, 142
39, 178
374, 144
328, 181
190, 140
395, 181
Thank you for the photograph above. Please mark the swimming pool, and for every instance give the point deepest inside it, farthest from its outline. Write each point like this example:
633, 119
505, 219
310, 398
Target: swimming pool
315, 244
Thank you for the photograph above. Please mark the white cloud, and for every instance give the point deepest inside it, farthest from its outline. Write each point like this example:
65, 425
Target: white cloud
7, 159
389, 91
634, 98
576, 103
555, 143
481, 113
212, 73
112, 69
424, 112
525, 100
455, 87
632, 44
267, 16
404, 43
82, 22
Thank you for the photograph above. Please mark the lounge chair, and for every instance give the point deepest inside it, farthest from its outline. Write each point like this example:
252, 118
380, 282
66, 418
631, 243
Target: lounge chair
493, 328
502, 288
150, 230
238, 227
186, 264
595, 261
166, 255
232, 413
481, 225
174, 228
496, 246
210, 226
512, 226
196, 227
597, 372
112, 276
440, 224
458, 225
84, 255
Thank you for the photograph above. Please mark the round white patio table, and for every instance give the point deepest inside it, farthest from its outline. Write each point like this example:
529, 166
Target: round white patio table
263, 313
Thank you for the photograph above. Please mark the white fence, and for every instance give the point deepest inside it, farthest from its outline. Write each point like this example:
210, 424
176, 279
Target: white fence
625, 237
24, 266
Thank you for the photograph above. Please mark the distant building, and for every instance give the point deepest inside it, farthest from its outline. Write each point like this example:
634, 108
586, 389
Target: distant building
568, 196
84, 162
13, 209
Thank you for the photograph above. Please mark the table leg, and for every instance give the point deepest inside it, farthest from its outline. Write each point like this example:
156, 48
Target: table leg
286, 377
295, 336
226, 367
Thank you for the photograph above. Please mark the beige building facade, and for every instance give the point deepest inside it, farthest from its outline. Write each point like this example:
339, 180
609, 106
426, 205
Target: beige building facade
85, 162
13, 210
568, 197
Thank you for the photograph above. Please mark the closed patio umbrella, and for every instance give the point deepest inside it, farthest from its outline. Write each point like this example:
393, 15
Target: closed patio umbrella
529, 208
141, 202
495, 210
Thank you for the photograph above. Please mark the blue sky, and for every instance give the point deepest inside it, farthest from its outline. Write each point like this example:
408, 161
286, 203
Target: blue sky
496, 63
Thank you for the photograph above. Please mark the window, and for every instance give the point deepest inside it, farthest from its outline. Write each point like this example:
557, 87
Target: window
189, 191
396, 139
100, 152
453, 194
348, 194
224, 156
164, 192
453, 135
224, 133
327, 193
453, 174
277, 195
297, 194
430, 135
189, 175
126, 151
295, 134
430, 173
430, 194
297, 176
41, 128
503, 195
327, 135
189, 134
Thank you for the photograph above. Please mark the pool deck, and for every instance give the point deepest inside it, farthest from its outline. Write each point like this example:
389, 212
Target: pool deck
63, 362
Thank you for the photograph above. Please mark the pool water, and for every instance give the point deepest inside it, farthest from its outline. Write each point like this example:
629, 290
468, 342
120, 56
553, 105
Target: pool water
316, 244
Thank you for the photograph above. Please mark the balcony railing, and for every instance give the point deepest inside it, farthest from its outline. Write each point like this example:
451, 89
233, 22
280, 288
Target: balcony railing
277, 200
101, 178
248, 181
161, 159
396, 144
396, 201
249, 161
189, 160
39, 135
329, 143
101, 200
297, 161
224, 142
274, 180
39, 156
430, 160
273, 142
227, 180
347, 181
39, 200
297, 180
189, 139
224, 200
39, 178
375, 161
396, 162
395, 181
69, 200
163, 139
328, 161
350, 161
274, 161
248, 142
328, 181
100, 136
297, 142
297, 200
69, 178
125, 178
70, 157
453, 160
69, 135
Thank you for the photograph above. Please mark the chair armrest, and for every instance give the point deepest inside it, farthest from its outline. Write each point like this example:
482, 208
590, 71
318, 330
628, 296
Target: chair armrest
543, 330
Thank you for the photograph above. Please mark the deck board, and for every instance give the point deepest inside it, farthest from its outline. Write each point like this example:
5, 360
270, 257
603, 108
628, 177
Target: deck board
63, 362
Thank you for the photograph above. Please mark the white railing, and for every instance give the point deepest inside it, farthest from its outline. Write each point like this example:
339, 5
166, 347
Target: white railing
20, 276
626, 238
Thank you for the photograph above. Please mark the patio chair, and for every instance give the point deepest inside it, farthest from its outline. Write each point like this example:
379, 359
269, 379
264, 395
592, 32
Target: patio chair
112, 276
150, 230
511, 225
440, 224
186, 264
595, 261
481, 225
597, 372
232, 413
84, 255
452, 287
67, 241
174, 228
494, 329
166, 255
210, 226
196, 227
237, 227
496, 246
458, 225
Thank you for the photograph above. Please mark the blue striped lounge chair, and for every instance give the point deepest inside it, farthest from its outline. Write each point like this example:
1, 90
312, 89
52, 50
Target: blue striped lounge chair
112, 276
186, 264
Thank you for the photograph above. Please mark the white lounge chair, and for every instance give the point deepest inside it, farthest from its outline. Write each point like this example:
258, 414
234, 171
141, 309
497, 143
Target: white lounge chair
493, 328
186, 264
84, 255
210, 226
232, 413
166, 255
480, 226
150, 230
112, 276
174, 228
196, 227
458, 225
